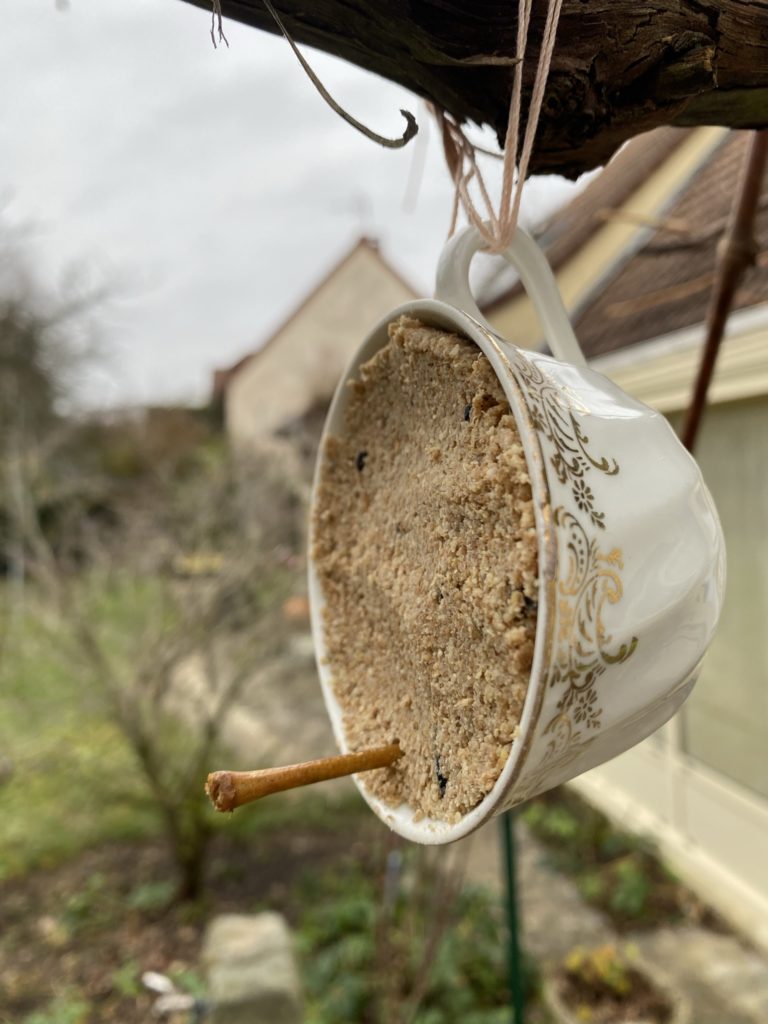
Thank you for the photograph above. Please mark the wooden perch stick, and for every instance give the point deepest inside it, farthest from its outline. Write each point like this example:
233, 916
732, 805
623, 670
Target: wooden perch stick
229, 790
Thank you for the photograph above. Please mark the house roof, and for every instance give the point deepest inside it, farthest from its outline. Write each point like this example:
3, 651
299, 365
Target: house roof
223, 377
563, 234
666, 284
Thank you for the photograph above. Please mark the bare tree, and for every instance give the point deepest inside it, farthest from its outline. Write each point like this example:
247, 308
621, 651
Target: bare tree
45, 341
166, 611
164, 562
169, 622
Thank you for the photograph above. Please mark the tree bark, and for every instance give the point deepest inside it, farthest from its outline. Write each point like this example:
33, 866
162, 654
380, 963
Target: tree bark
621, 67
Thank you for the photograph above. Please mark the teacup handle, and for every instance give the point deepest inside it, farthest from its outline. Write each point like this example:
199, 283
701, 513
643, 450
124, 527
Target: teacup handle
538, 280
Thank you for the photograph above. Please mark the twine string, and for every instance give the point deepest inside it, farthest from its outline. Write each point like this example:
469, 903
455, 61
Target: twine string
497, 226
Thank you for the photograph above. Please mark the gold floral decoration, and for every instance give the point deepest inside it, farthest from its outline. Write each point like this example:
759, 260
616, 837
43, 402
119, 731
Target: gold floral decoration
552, 415
590, 580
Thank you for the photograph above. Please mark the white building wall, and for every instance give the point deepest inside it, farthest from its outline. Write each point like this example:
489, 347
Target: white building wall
303, 362
700, 785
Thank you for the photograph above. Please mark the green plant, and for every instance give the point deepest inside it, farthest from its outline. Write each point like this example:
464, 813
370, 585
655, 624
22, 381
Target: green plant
189, 981
427, 954
631, 887
552, 821
67, 1008
614, 870
591, 885
87, 907
152, 896
602, 968
126, 979
603, 985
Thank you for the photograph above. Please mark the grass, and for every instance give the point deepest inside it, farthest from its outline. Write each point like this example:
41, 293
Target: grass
74, 781
75, 786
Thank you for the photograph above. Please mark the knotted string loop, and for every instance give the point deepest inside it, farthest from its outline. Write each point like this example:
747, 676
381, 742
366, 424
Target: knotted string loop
497, 226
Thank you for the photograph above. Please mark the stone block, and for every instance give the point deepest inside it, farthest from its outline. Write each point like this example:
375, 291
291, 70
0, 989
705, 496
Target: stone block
252, 974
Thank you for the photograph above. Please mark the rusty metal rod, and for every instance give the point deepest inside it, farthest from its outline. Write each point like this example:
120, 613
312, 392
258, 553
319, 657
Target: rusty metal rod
737, 251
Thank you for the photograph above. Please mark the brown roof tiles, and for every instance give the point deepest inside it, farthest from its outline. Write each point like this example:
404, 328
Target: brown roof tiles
572, 226
666, 285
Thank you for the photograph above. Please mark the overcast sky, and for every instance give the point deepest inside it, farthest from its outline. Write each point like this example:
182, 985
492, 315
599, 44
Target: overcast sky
208, 190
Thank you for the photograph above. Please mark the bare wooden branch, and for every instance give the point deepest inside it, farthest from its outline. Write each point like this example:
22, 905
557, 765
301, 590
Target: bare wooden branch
620, 68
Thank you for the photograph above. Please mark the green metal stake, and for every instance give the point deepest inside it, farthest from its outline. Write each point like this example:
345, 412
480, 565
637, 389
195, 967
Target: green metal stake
514, 958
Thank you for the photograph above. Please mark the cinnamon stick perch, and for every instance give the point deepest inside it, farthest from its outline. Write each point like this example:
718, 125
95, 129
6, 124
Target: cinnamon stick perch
229, 790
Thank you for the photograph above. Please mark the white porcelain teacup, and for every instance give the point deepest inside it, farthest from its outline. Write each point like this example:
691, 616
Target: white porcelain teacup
631, 553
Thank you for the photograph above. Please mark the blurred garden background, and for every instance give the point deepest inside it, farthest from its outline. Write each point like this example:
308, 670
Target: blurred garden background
191, 247
153, 626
